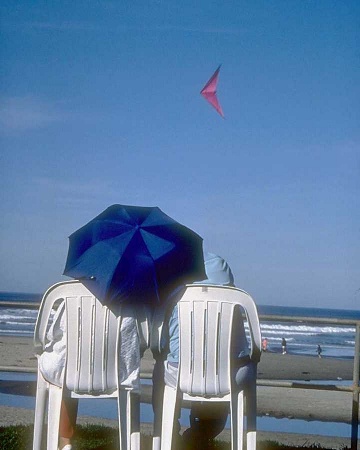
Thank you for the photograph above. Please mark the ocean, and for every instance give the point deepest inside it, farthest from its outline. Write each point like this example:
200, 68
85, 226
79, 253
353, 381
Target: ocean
302, 338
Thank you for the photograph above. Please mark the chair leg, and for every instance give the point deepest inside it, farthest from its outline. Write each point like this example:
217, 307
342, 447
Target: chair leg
156, 443
157, 426
129, 420
251, 440
123, 418
250, 404
54, 407
135, 421
237, 420
168, 417
40, 410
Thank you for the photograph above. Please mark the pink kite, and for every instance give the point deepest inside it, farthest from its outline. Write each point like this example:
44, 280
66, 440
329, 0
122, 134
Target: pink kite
209, 92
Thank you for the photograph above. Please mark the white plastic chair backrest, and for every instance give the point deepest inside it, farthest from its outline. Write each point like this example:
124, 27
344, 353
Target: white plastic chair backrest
93, 333
205, 326
91, 356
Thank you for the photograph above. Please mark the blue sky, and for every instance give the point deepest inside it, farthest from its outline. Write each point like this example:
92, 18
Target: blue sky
100, 104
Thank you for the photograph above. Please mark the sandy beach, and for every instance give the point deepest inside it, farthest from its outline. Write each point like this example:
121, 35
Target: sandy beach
328, 406
18, 352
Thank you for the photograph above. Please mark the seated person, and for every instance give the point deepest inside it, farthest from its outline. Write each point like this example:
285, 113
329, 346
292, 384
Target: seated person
52, 363
206, 421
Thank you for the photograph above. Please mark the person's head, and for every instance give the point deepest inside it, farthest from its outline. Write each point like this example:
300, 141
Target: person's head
217, 270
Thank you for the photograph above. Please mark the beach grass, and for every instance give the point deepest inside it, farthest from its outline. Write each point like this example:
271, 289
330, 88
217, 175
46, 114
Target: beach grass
98, 437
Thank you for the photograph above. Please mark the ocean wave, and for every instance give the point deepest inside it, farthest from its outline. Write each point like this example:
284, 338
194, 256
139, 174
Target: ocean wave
307, 328
13, 314
6, 317
20, 321
19, 315
13, 332
279, 339
287, 333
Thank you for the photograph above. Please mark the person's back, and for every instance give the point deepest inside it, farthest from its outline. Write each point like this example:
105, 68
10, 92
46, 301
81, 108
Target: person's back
207, 421
219, 273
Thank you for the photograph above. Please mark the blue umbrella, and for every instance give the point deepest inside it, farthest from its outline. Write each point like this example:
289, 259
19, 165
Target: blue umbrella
134, 253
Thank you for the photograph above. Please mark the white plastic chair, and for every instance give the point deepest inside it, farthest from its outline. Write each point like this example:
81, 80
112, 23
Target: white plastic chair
92, 363
204, 372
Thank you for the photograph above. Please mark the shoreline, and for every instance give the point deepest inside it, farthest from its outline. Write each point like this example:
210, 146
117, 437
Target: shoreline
18, 352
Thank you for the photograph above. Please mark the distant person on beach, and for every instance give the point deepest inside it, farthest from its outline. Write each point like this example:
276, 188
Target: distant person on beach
52, 363
319, 350
206, 421
283, 346
264, 344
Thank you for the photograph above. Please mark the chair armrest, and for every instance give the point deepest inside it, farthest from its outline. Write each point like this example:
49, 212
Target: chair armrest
254, 327
46, 306
255, 334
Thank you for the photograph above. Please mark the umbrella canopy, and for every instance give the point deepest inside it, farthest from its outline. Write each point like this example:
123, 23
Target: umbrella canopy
134, 253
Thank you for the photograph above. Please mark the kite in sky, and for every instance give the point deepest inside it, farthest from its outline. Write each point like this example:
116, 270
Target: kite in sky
209, 92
